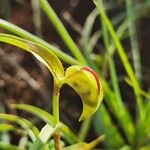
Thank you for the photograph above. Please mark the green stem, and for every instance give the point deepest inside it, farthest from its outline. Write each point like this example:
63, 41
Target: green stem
123, 113
56, 92
36, 17
112, 68
85, 129
62, 30
133, 39
57, 141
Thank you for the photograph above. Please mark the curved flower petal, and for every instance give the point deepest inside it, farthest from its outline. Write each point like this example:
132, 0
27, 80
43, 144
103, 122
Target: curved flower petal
87, 84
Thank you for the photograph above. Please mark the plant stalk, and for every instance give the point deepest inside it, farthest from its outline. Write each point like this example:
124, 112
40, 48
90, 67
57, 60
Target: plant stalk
133, 39
62, 31
57, 141
56, 92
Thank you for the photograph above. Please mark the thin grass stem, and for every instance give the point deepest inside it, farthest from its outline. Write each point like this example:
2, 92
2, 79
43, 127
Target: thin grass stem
133, 39
123, 58
123, 113
62, 31
36, 17
56, 92
84, 129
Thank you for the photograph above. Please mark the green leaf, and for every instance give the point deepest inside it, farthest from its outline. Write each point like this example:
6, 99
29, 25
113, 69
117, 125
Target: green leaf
45, 134
27, 35
48, 118
6, 127
85, 146
86, 32
125, 147
121, 109
4, 146
79, 146
103, 125
87, 84
85, 36
43, 54
25, 124
142, 92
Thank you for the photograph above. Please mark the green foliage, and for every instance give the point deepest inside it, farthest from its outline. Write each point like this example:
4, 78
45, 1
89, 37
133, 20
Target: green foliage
31, 130
47, 118
5, 146
83, 146
89, 84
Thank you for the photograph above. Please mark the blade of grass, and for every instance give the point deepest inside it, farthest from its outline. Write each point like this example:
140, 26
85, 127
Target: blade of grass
36, 17
7, 127
147, 120
5, 146
121, 114
85, 146
22, 33
125, 119
3, 136
123, 58
93, 40
106, 122
86, 32
133, 39
28, 126
62, 30
122, 29
48, 118
113, 139
45, 134
120, 32
84, 129
144, 93
23, 141
112, 68
85, 36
